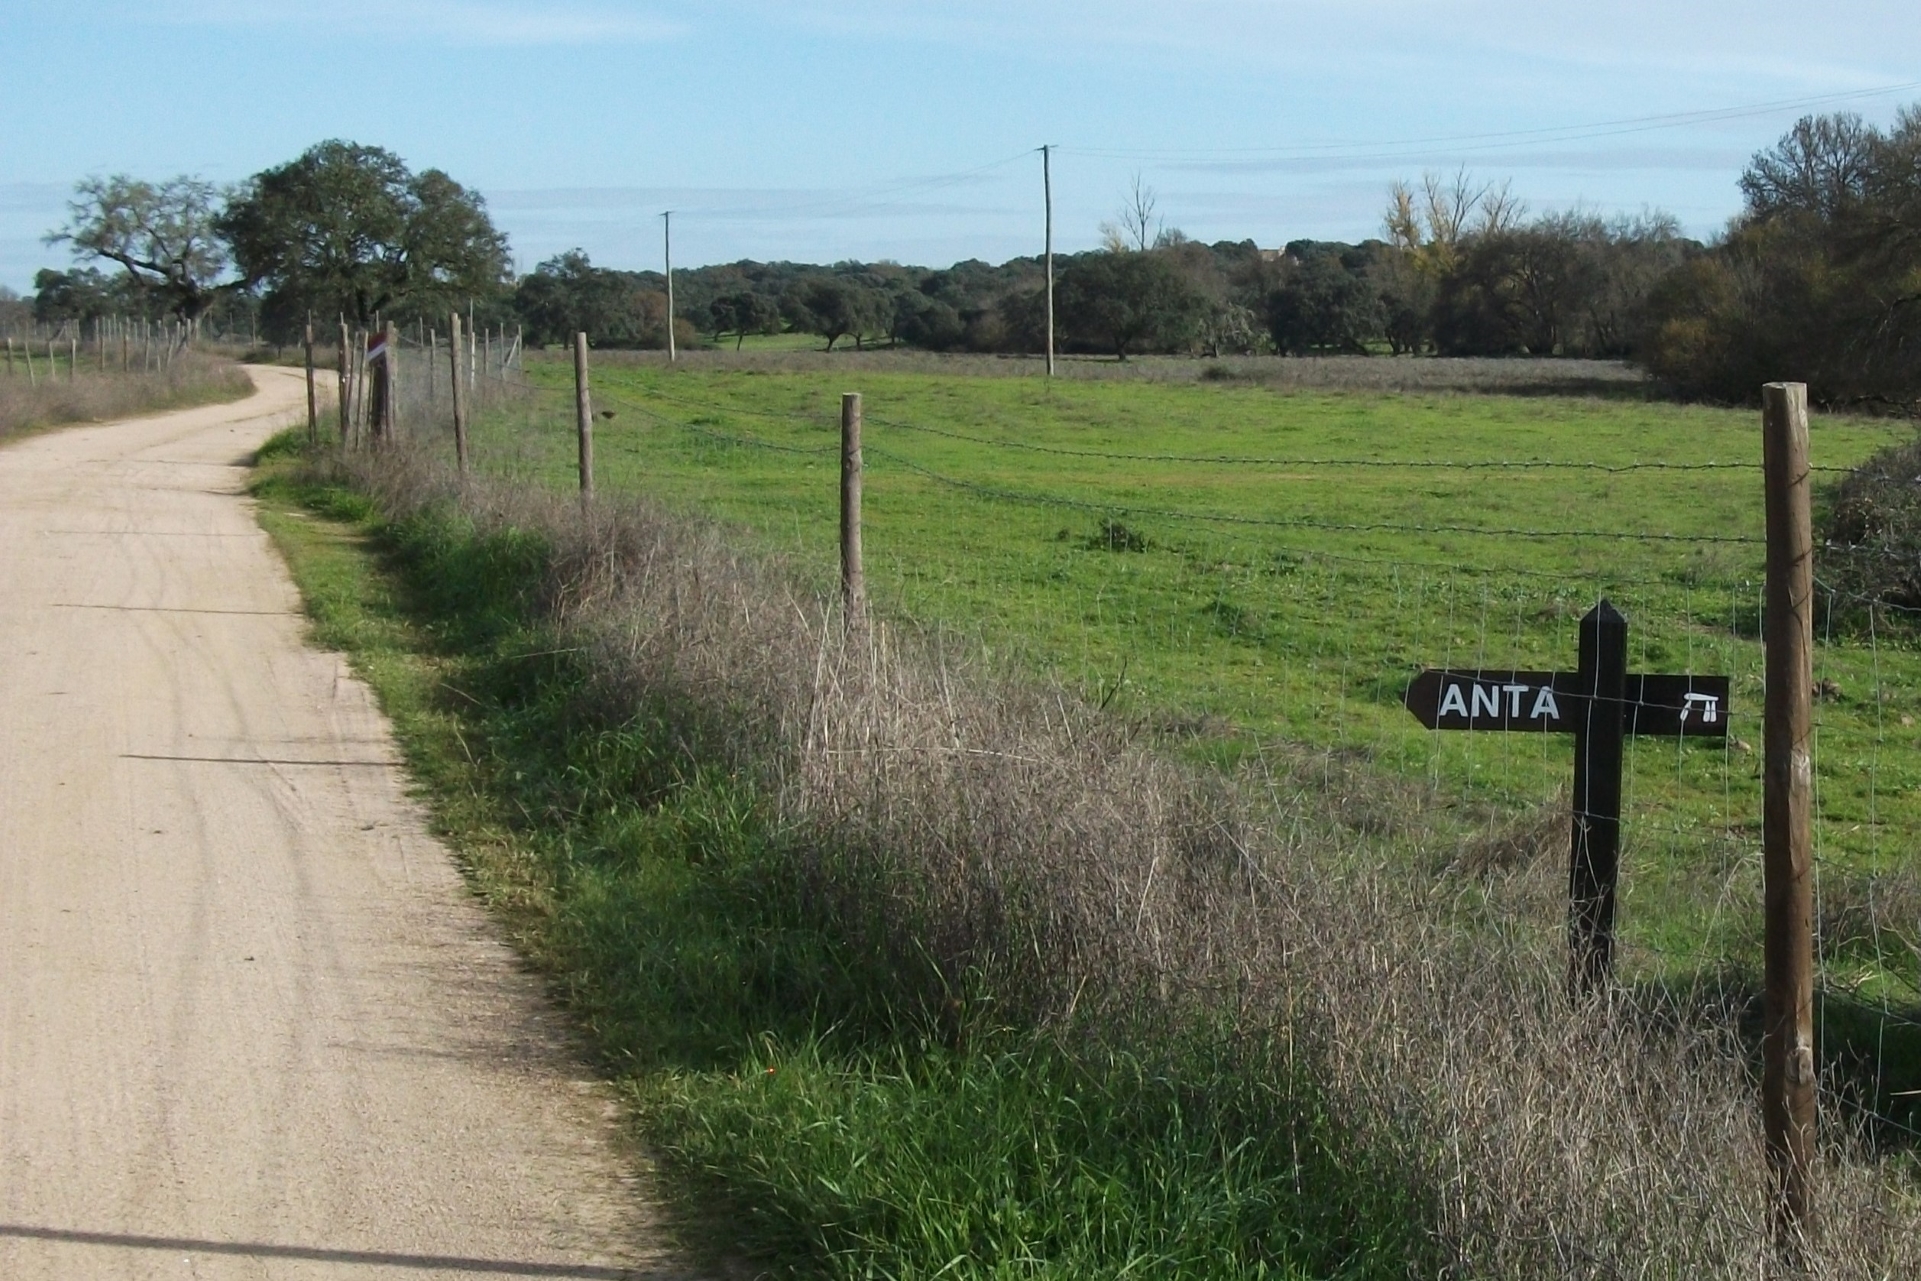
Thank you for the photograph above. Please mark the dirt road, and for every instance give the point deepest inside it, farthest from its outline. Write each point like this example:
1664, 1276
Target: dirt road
251, 1026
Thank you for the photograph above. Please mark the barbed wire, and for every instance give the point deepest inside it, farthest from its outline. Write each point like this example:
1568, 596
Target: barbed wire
745, 442
1702, 960
1280, 522
1271, 461
1130, 509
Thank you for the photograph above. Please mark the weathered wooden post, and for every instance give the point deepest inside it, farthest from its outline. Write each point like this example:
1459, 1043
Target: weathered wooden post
313, 401
1595, 862
460, 394
583, 418
346, 389
374, 361
359, 413
667, 263
853, 576
1788, 1103
390, 378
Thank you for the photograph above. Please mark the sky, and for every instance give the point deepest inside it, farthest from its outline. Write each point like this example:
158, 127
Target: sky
883, 129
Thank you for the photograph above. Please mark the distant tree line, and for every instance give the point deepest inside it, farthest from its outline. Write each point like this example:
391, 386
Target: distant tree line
1815, 280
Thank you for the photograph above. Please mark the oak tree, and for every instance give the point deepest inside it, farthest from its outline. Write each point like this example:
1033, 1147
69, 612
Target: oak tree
350, 230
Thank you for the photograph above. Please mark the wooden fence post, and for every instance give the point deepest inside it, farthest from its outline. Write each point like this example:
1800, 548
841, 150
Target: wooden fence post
583, 418
361, 371
346, 389
1788, 1104
390, 379
1596, 852
853, 578
460, 394
313, 402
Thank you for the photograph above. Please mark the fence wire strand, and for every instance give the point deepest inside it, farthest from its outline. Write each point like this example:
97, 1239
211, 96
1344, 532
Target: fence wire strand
1232, 594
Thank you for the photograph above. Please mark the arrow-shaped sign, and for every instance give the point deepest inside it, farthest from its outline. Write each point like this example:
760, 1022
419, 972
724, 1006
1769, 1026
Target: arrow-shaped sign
1557, 703
1577, 703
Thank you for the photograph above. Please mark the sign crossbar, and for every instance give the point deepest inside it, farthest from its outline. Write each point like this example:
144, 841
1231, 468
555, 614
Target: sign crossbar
1600, 703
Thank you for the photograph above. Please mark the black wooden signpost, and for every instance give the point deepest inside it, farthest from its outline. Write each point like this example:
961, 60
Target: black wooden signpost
1600, 703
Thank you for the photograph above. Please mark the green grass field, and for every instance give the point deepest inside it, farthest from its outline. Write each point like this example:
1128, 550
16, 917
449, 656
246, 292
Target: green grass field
796, 1112
1291, 593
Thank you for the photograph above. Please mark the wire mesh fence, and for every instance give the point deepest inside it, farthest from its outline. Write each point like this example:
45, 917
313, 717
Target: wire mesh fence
1279, 600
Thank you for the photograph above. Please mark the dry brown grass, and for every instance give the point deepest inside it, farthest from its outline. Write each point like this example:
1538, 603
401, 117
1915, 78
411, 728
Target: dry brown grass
94, 396
1042, 856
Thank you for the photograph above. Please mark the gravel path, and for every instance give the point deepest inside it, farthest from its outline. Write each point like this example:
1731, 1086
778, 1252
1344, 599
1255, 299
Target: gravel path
251, 1023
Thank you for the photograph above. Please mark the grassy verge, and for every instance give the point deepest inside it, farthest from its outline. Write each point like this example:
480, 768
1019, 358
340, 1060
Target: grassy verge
96, 396
815, 1114
913, 973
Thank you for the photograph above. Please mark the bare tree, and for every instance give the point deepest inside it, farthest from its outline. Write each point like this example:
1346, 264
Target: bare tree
1499, 209
1402, 222
1135, 227
1445, 211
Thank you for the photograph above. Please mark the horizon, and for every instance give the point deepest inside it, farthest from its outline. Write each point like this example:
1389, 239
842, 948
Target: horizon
810, 133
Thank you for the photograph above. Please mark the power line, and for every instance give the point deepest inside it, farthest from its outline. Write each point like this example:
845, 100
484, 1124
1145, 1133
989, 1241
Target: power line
855, 202
1505, 138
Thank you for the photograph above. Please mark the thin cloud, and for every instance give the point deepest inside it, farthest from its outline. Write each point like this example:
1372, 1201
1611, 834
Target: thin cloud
1722, 40
586, 206
1613, 160
452, 22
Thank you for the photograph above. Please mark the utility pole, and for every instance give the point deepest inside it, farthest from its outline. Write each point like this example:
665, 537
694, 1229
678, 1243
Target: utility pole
667, 245
1047, 190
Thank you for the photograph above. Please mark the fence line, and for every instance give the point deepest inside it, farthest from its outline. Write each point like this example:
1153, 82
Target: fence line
1691, 808
1536, 464
1275, 522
